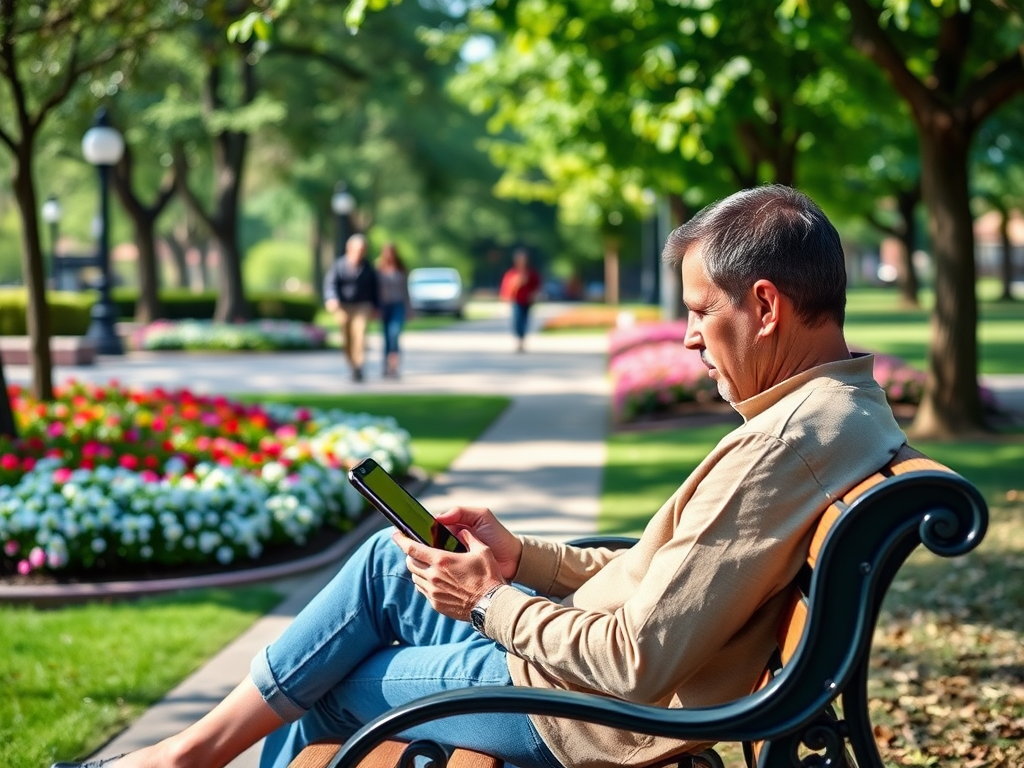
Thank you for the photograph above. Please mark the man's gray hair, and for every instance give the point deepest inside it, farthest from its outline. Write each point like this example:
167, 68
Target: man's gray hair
772, 233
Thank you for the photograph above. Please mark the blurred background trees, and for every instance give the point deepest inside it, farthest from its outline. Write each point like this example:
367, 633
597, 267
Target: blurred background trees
579, 128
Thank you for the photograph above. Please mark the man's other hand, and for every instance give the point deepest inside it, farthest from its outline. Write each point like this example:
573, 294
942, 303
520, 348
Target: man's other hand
504, 545
453, 582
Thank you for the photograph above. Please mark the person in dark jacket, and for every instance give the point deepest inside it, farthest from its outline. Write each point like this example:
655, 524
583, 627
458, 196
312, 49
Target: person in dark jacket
351, 293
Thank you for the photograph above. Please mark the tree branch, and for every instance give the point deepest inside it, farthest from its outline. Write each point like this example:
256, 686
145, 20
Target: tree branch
313, 54
953, 42
997, 86
872, 41
7, 139
877, 223
181, 184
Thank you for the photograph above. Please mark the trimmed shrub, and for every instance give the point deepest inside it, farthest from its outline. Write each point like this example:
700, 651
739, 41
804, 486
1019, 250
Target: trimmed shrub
181, 304
69, 312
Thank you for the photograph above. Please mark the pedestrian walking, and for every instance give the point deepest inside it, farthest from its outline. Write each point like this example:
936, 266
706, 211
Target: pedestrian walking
519, 287
351, 294
393, 282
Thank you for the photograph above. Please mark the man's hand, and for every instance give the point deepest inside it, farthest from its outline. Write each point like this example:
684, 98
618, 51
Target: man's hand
504, 545
453, 582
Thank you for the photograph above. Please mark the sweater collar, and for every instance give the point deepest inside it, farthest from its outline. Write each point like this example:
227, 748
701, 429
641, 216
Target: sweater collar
858, 370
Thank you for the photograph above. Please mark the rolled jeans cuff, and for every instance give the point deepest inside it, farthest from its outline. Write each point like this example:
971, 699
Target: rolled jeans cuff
265, 682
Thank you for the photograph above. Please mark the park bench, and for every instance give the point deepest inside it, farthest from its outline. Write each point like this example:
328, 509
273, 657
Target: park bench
824, 643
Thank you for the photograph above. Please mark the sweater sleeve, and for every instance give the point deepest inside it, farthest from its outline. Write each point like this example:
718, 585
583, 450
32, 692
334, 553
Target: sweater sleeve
728, 547
556, 570
330, 286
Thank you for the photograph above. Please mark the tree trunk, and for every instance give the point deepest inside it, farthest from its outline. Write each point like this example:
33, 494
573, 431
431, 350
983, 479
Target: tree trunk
37, 311
144, 217
1006, 263
909, 285
148, 308
177, 248
611, 272
231, 304
317, 275
951, 404
8, 427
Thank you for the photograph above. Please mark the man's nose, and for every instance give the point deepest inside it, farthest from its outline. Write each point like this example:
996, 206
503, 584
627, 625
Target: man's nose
692, 339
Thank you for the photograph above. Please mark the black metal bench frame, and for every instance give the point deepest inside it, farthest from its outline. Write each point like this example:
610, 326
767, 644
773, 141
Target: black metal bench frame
785, 723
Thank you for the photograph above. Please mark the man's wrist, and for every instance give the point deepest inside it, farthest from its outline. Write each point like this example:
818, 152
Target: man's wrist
478, 613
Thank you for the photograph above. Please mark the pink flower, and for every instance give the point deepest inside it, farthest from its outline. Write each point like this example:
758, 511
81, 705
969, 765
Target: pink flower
128, 461
61, 475
55, 560
149, 476
9, 461
24, 568
11, 548
55, 428
36, 557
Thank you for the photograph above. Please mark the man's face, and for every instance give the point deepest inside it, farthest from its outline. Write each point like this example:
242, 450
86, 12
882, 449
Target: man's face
356, 250
724, 333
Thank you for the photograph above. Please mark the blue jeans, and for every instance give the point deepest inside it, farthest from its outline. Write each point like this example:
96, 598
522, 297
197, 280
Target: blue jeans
393, 319
369, 642
520, 318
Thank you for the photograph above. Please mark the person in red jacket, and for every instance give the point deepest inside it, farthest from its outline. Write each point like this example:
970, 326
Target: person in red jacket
519, 286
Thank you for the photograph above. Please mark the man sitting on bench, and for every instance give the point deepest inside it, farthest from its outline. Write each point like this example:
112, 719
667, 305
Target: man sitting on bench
686, 617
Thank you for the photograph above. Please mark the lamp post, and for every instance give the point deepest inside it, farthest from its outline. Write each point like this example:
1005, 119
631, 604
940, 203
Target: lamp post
51, 215
102, 147
343, 204
650, 261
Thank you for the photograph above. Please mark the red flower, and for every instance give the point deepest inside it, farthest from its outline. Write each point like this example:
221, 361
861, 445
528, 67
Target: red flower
9, 461
128, 461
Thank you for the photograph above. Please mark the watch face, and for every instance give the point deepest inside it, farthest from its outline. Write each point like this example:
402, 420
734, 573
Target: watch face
477, 617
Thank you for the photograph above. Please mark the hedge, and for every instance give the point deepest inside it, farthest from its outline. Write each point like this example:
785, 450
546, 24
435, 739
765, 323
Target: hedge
70, 311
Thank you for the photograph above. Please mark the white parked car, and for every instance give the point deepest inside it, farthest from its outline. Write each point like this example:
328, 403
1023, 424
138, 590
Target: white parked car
436, 290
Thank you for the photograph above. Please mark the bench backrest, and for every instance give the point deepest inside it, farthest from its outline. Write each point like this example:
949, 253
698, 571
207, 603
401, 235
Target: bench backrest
929, 497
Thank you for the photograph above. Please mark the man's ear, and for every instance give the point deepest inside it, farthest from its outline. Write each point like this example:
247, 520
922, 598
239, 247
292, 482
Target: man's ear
769, 303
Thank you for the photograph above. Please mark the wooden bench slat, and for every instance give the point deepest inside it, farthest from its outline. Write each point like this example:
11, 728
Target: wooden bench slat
386, 755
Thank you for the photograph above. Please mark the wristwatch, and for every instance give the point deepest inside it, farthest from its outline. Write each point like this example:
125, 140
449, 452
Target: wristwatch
478, 614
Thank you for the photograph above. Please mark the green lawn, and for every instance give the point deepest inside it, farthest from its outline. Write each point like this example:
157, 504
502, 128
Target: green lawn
435, 441
876, 322
73, 677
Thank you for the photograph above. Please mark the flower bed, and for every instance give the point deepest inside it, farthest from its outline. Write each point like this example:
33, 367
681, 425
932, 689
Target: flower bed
261, 335
653, 372
105, 477
590, 317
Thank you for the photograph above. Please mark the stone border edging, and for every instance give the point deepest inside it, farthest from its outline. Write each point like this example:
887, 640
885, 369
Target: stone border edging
54, 594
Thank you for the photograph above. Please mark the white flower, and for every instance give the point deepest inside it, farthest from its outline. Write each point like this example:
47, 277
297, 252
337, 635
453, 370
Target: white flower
273, 472
225, 555
208, 540
98, 545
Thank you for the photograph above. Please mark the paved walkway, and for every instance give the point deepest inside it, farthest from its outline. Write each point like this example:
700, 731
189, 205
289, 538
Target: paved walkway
538, 466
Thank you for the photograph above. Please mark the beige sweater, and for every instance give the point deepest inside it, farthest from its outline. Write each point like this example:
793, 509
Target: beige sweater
687, 617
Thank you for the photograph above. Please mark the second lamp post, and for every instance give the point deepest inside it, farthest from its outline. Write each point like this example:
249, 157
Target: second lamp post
102, 147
